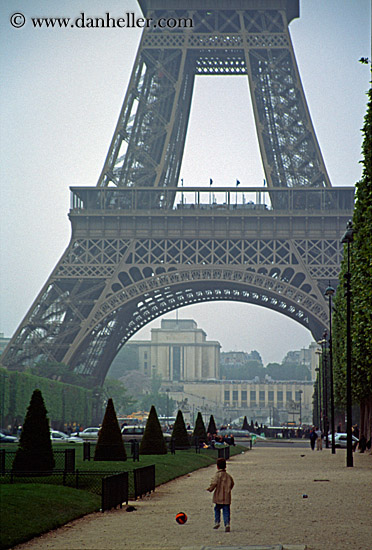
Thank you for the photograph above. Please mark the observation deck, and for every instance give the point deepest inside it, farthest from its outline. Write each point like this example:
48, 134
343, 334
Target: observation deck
200, 212
227, 200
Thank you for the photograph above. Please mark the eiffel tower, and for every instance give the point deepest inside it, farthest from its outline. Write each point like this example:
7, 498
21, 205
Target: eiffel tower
142, 246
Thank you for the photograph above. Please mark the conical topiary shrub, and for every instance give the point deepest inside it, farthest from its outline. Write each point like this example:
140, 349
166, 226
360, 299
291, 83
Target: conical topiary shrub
35, 453
199, 430
212, 428
153, 442
245, 424
179, 433
110, 444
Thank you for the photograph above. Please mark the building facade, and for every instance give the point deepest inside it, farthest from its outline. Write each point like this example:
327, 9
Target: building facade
271, 403
179, 352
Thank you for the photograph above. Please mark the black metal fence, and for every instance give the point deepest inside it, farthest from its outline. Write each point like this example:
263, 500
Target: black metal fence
224, 452
115, 491
64, 460
79, 479
132, 450
144, 481
134, 486
174, 447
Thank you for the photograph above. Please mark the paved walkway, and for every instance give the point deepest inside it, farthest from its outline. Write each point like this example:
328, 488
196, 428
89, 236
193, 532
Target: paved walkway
284, 498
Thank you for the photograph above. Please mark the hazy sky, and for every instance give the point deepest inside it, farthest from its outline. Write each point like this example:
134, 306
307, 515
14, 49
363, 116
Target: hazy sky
62, 90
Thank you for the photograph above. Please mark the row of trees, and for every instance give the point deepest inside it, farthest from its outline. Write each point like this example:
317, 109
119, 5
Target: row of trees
35, 451
361, 297
251, 370
65, 402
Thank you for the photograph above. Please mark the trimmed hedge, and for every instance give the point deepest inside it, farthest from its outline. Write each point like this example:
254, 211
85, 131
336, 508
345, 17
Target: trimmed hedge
64, 402
199, 430
110, 444
153, 442
35, 451
179, 432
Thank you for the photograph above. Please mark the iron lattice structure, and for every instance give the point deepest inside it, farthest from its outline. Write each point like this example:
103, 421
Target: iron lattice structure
139, 249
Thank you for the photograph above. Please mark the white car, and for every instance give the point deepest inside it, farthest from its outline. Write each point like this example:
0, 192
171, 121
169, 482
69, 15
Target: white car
89, 433
58, 436
135, 433
74, 438
341, 440
7, 438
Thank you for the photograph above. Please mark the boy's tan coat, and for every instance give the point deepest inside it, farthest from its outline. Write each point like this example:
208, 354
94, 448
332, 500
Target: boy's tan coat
221, 484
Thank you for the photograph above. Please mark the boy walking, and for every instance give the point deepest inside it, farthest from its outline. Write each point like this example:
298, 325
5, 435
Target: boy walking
222, 484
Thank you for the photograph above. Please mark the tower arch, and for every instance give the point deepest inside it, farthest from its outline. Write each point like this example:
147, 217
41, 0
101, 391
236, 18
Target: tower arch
128, 310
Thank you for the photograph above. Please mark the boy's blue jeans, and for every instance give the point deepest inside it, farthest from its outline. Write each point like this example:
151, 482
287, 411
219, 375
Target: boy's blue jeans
225, 512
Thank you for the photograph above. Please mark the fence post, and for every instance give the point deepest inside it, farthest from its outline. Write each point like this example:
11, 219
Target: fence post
114, 491
86, 450
77, 480
227, 452
173, 446
135, 451
2, 460
144, 480
69, 460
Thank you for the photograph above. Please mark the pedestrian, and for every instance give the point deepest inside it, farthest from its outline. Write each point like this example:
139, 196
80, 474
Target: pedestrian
313, 438
221, 485
318, 432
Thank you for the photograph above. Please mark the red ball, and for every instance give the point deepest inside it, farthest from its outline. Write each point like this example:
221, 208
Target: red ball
181, 518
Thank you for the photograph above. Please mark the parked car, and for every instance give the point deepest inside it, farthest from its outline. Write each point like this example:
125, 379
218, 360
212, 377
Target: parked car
5, 438
58, 436
75, 438
341, 440
89, 433
238, 434
135, 433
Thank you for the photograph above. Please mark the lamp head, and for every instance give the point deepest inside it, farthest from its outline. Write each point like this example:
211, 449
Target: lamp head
348, 236
329, 291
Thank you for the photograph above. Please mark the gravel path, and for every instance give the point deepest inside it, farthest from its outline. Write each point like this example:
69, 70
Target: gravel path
268, 508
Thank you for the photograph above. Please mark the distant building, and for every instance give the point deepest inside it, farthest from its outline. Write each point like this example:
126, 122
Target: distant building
305, 356
265, 402
179, 351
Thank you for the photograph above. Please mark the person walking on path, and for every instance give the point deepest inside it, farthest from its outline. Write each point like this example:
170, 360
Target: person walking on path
221, 485
313, 438
319, 439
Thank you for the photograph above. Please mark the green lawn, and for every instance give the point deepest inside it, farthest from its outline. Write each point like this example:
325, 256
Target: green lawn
167, 466
30, 509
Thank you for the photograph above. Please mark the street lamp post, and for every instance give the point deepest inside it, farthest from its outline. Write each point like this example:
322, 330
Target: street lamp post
167, 390
319, 371
330, 292
326, 420
300, 393
323, 343
348, 239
